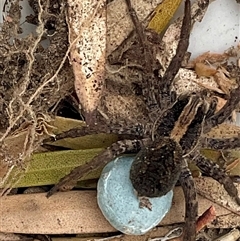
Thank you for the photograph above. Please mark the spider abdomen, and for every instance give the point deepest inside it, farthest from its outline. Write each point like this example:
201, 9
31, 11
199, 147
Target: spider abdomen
156, 168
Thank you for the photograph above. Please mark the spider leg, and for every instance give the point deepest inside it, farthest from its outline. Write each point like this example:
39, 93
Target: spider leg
150, 80
221, 144
133, 131
213, 170
138, 26
191, 204
152, 84
116, 149
182, 47
226, 111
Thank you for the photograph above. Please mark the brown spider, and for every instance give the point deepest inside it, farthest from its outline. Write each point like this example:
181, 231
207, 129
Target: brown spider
173, 137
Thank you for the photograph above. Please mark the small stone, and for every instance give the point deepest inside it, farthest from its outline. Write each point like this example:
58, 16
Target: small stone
119, 202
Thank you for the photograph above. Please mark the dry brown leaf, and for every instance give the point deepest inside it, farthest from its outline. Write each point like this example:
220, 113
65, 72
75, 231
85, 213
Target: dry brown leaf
208, 57
213, 191
11, 237
87, 35
221, 102
11, 157
213, 57
209, 86
204, 70
187, 81
132, 107
204, 66
223, 81
234, 116
223, 131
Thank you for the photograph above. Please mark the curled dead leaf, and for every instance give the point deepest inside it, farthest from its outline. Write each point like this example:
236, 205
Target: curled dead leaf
204, 70
224, 82
221, 102
87, 35
210, 58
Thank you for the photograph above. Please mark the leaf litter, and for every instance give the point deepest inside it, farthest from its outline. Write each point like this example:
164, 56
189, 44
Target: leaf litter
35, 79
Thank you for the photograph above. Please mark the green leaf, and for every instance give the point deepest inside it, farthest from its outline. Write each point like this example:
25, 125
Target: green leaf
47, 168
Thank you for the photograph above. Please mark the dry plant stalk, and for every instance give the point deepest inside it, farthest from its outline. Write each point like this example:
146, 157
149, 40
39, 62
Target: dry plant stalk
87, 23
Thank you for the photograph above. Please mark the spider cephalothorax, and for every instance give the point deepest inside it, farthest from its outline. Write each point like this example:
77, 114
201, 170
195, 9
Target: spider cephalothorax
172, 136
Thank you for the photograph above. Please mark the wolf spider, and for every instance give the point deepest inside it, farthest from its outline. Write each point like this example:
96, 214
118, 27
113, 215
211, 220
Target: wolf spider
173, 137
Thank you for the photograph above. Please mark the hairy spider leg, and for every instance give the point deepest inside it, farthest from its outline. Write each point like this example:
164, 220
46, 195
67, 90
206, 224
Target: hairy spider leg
175, 64
153, 82
211, 169
207, 166
116, 149
223, 114
188, 142
132, 131
191, 203
148, 84
221, 144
